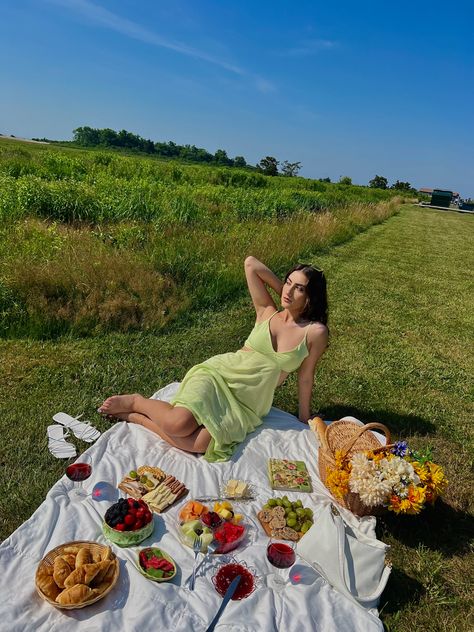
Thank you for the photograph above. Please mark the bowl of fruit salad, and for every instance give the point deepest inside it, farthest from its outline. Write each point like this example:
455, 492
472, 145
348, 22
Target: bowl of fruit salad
128, 522
217, 523
156, 565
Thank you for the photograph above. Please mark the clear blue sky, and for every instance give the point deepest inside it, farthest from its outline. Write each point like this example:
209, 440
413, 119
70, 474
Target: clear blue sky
347, 88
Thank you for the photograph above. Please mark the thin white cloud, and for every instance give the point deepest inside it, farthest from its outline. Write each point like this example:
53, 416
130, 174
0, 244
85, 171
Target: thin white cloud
103, 17
310, 47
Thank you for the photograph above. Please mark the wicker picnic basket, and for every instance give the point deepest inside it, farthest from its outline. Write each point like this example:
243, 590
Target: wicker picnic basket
348, 437
48, 562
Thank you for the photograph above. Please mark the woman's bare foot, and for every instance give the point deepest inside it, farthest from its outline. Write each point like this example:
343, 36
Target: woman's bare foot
118, 404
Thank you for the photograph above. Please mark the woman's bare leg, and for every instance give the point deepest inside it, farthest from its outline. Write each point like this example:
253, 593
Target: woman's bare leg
175, 421
196, 442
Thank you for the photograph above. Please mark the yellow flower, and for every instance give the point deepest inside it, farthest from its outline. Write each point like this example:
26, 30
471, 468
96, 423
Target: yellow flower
412, 504
422, 471
437, 481
378, 456
338, 482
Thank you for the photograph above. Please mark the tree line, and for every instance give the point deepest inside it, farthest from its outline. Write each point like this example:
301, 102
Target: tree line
92, 137
380, 182
86, 136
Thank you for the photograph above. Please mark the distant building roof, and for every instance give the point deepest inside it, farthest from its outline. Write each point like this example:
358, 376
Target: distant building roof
427, 190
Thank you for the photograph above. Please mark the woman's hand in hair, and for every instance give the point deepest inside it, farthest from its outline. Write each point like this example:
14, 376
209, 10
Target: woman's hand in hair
258, 278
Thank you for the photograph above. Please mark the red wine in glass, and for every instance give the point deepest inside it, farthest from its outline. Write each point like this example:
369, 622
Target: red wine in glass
79, 472
281, 554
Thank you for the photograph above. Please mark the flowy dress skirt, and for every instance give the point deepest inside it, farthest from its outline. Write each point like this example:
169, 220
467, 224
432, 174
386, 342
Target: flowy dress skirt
229, 394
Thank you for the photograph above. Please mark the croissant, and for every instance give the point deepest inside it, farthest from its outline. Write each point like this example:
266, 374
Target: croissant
46, 584
70, 558
74, 595
61, 571
109, 575
91, 571
77, 576
98, 590
72, 548
84, 556
106, 553
103, 567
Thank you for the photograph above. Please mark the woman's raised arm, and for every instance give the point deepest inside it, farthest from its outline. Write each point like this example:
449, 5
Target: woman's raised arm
258, 277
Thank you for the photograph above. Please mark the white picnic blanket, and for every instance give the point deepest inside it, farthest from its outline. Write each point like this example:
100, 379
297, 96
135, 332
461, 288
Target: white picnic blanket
137, 604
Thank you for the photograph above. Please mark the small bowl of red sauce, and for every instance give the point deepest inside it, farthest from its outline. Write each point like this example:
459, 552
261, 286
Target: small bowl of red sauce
228, 571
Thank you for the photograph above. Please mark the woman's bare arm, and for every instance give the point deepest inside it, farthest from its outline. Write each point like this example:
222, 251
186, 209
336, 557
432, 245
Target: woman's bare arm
317, 343
258, 277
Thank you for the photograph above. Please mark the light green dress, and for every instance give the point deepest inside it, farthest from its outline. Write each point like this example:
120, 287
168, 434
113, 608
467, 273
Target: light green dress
231, 392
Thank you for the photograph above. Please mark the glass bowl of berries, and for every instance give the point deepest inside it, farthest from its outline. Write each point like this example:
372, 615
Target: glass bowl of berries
227, 570
128, 522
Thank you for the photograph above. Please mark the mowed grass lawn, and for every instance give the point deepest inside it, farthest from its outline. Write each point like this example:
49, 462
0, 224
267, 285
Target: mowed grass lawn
402, 315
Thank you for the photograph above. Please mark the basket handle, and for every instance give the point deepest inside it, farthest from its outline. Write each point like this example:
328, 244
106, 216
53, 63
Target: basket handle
375, 424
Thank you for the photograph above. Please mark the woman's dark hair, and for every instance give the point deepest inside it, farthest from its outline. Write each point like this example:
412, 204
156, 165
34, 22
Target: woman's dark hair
317, 304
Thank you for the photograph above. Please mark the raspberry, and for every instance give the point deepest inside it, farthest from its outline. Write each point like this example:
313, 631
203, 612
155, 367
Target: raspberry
129, 519
120, 526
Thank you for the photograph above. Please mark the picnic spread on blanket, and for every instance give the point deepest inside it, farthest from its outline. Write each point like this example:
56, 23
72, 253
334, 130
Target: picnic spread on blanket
264, 528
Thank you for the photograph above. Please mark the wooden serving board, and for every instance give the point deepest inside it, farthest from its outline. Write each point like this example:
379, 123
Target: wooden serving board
266, 527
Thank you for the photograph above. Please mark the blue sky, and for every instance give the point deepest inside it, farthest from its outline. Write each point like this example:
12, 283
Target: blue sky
347, 88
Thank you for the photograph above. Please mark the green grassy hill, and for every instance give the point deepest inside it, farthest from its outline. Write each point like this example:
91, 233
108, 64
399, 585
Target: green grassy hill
92, 241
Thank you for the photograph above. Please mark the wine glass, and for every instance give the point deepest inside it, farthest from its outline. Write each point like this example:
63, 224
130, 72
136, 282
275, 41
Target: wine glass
282, 555
79, 472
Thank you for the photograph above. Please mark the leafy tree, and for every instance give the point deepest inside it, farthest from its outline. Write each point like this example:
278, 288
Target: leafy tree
345, 180
325, 180
268, 166
379, 182
401, 186
290, 168
222, 158
86, 136
239, 161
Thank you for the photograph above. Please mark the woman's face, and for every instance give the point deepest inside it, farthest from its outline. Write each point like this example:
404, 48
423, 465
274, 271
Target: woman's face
293, 295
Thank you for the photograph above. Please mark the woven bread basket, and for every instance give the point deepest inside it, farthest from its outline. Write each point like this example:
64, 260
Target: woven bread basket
48, 562
347, 437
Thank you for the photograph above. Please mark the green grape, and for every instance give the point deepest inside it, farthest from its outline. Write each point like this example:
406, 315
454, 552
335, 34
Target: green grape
291, 522
298, 503
279, 502
265, 507
300, 512
292, 514
306, 526
285, 498
133, 474
143, 479
297, 526
287, 504
287, 511
272, 502
308, 513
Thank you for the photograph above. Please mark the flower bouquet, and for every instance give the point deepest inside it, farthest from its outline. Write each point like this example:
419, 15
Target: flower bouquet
395, 478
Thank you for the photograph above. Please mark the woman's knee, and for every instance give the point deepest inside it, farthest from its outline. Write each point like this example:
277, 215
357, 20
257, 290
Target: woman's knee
179, 422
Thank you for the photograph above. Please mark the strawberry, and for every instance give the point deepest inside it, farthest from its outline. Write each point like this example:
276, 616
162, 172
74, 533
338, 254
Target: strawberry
147, 517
